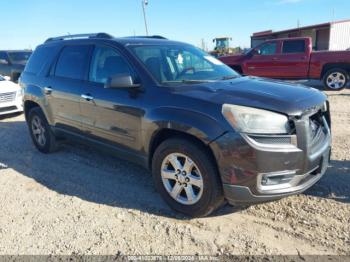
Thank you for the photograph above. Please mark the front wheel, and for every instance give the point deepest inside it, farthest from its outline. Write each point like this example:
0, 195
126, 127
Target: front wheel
336, 79
187, 178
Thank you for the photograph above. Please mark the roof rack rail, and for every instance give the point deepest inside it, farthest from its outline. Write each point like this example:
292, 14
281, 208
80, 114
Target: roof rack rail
79, 36
148, 36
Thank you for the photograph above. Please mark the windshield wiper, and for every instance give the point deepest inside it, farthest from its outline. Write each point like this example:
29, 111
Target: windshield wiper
188, 81
228, 77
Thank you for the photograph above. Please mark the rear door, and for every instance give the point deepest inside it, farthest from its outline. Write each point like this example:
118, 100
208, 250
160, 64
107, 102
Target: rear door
66, 84
263, 60
293, 62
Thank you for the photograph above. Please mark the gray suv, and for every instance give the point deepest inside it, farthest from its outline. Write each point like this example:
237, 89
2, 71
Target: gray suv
207, 134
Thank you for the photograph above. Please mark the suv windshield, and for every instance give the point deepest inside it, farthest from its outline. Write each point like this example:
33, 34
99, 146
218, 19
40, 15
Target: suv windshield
17, 57
172, 64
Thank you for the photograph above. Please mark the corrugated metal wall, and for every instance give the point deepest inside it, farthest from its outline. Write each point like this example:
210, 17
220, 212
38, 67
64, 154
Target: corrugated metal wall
340, 36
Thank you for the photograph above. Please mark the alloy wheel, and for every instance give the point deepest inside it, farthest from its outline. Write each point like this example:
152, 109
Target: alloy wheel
336, 80
182, 178
38, 130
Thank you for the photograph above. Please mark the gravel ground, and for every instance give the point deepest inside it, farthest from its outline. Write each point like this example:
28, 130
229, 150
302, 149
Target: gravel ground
78, 201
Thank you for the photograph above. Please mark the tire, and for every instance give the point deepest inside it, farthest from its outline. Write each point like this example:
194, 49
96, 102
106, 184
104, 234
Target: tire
37, 121
336, 79
207, 195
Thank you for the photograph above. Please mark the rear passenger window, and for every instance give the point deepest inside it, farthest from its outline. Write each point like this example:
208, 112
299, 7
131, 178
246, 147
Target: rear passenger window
73, 62
39, 58
295, 46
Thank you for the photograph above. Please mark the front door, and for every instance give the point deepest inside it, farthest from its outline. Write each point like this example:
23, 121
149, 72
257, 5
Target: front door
263, 60
108, 114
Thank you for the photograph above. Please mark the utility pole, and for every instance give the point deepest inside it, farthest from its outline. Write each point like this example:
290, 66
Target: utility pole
144, 4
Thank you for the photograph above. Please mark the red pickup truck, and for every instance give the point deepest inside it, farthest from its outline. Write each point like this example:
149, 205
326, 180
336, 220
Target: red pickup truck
293, 58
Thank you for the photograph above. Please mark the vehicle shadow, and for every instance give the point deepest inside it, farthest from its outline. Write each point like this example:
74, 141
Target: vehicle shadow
335, 184
3, 117
81, 171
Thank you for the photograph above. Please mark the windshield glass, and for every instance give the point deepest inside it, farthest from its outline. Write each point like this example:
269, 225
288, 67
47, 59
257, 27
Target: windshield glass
222, 43
171, 64
2, 79
17, 57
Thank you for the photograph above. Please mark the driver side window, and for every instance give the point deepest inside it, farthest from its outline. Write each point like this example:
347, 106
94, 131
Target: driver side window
268, 49
107, 62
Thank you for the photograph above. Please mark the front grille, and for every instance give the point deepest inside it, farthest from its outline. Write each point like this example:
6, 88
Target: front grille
272, 140
7, 97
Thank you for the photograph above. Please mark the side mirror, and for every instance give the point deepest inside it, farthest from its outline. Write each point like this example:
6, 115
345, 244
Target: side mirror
255, 52
121, 81
4, 62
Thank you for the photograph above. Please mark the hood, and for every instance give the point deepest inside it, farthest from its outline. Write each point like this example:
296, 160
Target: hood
256, 92
231, 59
8, 86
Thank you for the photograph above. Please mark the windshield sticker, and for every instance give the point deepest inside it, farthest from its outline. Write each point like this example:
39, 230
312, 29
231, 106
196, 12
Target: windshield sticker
180, 59
213, 60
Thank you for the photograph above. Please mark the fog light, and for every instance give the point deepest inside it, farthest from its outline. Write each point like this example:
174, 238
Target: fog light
276, 179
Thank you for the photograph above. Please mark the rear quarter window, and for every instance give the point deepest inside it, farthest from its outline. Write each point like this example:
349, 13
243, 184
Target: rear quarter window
41, 57
294, 46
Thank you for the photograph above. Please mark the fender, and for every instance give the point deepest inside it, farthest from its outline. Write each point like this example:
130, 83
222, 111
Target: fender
193, 123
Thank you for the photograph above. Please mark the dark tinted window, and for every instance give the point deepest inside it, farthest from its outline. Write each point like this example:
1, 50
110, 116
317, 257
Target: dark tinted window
3, 56
73, 62
295, 46
19, 57
39, 58
268, 49
107, 62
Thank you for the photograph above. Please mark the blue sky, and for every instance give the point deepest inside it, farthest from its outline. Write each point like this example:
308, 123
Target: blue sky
28, 23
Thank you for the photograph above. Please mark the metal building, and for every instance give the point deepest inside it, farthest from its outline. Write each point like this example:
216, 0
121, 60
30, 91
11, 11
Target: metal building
328, 36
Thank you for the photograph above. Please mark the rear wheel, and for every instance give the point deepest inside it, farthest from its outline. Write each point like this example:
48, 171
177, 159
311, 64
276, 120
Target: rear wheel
336, 79
40, 131
187, 178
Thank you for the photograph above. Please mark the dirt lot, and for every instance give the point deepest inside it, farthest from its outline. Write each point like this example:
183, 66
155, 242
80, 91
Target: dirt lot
78, 201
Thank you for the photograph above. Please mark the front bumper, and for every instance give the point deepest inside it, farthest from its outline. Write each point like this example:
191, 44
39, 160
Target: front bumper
252, 172
11, 107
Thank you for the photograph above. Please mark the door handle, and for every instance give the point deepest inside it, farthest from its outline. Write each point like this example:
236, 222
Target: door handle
87, 97
274, 58
47, 90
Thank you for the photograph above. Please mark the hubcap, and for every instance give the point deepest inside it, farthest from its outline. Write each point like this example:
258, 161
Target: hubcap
38, 131
182, 179
336, 80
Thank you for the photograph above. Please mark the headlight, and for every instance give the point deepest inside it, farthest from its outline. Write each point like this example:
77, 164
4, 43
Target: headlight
19, 93
255, 121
